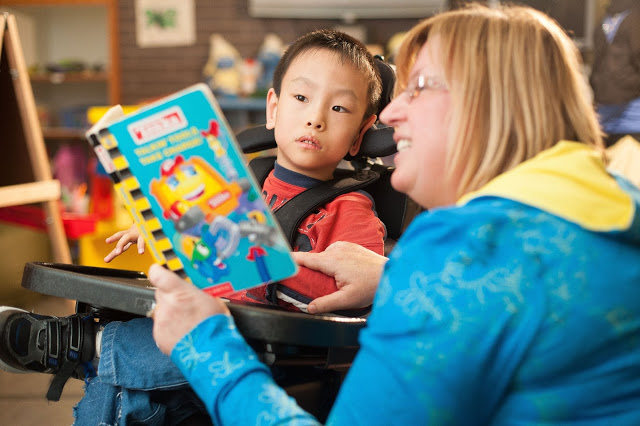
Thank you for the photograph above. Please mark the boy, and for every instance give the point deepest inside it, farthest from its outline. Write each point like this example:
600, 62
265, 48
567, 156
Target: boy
324, 97
319, 114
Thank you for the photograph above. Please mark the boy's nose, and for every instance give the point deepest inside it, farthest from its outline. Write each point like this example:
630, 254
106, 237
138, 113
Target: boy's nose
316, 124
316, 118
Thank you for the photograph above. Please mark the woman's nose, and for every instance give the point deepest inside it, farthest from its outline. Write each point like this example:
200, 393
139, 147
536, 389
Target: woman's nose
392, 113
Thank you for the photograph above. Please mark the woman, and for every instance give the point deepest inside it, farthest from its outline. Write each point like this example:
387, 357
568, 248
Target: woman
515, 299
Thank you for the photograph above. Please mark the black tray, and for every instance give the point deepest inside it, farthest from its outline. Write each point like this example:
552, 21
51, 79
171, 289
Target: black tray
131, 292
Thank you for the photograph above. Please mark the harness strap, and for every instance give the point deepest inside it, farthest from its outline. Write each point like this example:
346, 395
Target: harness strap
261, 167
293, 212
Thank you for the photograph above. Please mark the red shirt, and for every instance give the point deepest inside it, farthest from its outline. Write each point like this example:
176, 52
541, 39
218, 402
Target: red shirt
349, 217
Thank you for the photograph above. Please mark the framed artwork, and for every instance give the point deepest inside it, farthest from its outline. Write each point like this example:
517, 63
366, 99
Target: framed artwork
164, 23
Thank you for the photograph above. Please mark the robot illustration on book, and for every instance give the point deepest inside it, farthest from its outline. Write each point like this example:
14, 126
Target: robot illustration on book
212, 210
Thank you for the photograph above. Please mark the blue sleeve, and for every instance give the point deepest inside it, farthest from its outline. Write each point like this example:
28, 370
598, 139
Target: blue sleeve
230, 380
447, 332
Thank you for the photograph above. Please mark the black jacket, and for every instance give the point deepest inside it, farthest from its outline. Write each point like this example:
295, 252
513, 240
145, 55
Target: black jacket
615, 75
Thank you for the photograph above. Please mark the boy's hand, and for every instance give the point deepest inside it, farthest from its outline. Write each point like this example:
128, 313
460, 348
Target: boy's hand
180, 306
124, 240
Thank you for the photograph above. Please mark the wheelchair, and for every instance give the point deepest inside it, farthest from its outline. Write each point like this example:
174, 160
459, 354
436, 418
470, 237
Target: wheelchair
308, 354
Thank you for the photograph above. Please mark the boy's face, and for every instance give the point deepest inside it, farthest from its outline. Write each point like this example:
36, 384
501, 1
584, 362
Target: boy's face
318, 116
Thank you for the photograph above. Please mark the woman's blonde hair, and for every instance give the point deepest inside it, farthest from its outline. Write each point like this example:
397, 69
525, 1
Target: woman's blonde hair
516, 87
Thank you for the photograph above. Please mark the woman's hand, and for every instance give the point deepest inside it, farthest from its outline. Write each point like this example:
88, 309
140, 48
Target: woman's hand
124, 240
357, 271
180, 307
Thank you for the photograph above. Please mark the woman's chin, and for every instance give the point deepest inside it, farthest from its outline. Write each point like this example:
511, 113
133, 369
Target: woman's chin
398, 182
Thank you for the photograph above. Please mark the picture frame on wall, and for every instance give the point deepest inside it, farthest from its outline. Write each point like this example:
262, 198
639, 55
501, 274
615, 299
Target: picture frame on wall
165, 23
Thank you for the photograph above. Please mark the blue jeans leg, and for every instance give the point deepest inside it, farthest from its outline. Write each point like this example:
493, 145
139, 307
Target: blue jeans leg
134, 379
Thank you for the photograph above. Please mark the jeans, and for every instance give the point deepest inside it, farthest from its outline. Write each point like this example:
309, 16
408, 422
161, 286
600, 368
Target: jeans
136, 383
620, 119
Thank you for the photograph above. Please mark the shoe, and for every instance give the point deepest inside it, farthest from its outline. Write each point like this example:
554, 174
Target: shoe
37, 343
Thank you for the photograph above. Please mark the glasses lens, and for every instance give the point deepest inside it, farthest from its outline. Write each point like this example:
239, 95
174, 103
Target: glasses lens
415, 87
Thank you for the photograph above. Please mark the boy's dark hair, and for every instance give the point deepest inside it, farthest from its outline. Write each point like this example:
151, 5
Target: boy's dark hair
350, 50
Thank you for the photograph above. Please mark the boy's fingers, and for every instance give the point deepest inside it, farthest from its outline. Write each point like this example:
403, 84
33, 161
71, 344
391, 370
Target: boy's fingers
120, 245
140, 244
115, 237
112, 254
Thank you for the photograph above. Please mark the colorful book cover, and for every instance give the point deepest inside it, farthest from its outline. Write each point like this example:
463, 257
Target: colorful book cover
182, 176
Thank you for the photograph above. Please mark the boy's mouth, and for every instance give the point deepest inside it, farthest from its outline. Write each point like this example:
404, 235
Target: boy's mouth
309, 142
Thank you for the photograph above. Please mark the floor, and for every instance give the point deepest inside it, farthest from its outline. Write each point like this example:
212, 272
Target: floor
22, 396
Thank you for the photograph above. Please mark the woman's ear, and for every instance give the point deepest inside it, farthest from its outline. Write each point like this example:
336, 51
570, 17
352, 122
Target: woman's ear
355, 147
272, 108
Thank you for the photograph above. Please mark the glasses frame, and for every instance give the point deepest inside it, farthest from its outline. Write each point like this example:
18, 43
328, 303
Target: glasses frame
421, 84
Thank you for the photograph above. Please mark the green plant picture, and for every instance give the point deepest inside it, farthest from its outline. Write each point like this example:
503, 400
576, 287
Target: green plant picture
165, 23
162, 18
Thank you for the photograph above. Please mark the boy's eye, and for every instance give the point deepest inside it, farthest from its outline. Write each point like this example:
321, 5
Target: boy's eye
338, 108
301, 98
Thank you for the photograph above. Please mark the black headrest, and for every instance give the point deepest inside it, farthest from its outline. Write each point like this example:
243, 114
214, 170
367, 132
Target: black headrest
256, 139
388, 76
377, 141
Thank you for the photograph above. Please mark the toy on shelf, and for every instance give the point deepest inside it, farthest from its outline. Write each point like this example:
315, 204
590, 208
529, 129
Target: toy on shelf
250, 72
393, 45
222, 70
268, 56
69, 167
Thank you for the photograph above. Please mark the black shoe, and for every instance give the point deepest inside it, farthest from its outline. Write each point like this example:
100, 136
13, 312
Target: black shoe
46, 344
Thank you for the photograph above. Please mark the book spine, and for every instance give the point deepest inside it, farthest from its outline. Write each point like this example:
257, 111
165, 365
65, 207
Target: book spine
127, 187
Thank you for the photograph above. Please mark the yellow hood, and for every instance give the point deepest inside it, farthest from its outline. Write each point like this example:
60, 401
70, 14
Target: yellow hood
570, 181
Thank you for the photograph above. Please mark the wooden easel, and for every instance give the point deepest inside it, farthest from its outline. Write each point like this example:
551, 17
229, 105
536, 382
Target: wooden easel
25, 173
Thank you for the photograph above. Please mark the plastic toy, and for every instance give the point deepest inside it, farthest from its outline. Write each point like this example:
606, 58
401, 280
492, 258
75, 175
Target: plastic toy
222, 70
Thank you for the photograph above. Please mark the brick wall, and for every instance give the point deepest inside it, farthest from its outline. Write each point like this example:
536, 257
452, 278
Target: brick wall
152, 72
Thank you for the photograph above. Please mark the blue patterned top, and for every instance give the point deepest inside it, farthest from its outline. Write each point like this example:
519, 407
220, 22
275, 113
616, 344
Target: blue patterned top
520, 305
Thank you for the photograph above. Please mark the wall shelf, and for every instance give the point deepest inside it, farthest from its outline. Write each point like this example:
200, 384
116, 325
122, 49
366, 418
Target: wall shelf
243, 112
60, 78
55, 31
63, 133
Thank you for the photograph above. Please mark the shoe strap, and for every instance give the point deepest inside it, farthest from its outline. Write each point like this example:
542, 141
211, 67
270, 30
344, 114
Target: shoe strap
54, 331
69, 360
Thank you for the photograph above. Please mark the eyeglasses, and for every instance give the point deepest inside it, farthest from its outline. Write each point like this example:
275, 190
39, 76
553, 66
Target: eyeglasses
421, 83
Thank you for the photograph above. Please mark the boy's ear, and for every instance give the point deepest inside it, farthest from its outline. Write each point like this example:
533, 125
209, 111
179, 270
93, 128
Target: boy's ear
355, 147
272, 108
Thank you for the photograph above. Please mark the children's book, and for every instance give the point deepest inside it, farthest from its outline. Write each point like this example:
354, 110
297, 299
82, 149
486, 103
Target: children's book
180, 172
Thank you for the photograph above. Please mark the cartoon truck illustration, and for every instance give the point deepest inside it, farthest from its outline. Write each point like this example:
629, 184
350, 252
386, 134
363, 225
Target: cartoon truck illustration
190, 191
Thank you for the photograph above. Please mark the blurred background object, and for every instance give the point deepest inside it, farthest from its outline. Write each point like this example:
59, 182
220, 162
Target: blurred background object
615, 74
